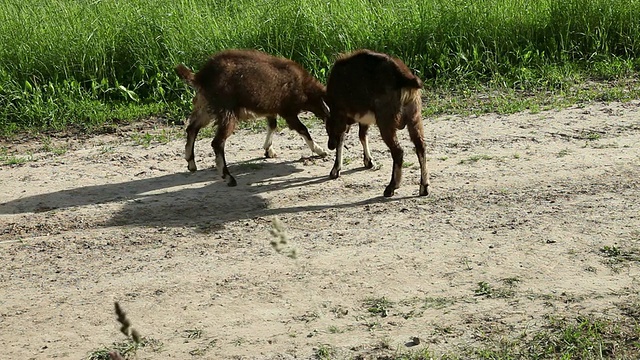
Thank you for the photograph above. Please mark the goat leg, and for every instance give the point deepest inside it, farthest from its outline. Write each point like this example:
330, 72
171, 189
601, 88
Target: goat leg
294, 123
362, 133
337, 165
225, 128
272, 125
390, 138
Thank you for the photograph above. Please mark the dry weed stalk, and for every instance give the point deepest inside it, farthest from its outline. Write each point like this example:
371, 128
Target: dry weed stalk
126, 329
280, 239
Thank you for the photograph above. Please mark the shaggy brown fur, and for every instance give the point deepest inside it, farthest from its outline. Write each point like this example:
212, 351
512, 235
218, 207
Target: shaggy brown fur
369, 88
238, 85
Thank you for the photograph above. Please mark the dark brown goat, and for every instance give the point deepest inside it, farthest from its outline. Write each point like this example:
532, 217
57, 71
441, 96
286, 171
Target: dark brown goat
238, 85
369, 88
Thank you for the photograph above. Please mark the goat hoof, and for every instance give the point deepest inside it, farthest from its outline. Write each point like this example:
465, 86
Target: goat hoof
368, 163
424, 190
231, 181
270, 154
389, 191
334, 174
192, 166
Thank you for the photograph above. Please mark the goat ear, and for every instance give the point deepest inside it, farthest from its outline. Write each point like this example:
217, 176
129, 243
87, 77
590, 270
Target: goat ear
325, 108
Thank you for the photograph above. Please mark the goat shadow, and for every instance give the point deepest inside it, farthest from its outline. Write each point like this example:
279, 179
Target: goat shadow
183, 199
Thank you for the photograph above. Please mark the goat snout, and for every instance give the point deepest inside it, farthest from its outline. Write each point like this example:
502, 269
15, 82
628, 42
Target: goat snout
332, 143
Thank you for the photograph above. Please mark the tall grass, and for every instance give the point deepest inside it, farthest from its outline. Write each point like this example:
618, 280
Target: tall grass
84, 62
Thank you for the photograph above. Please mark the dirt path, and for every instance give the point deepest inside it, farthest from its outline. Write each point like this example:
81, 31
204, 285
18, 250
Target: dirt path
526, 217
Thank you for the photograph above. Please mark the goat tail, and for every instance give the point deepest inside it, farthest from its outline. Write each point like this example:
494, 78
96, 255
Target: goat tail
409, 81
410, 95
186, 74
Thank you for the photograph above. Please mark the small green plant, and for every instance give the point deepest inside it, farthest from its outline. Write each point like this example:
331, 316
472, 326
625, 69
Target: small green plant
563, 153
610, 251
324, 352
125, 349
6, 159
239, 341
335, 330
437, 302
49, 147
475, 158
145, 140
590, 135
484, 289
378, 306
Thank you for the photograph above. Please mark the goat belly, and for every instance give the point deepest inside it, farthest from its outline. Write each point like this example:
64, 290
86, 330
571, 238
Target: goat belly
368, 118
245, 114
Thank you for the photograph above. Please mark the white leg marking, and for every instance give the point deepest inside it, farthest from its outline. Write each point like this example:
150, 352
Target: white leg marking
366, 150
315, 147
268, 142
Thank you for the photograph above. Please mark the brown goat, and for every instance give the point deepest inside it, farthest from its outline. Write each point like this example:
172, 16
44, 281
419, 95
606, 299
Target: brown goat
238, 85
369, 88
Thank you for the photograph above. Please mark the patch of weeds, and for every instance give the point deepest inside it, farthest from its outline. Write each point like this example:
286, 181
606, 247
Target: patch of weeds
437, 302
124, 348
378, 306
475, 158
421, 354
128, 348
107, 149
193, 333
631, 310
324, 352
563, 153
203, 350
486, 290
616, 256
407, 164
602, 146
47, 146
339, 312
610, 251
516, 156
145, 140
335, 330
443, 330
443, 158
6, 159
372, 325
590, 135
346, 160
511, 281
307, 317
581, 338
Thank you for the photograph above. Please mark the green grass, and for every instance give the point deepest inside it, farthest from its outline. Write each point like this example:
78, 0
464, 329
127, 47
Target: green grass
12, 159
82, 64
475, 158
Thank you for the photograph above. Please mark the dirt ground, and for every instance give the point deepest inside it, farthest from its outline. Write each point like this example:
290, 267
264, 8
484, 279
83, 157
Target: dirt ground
525, 214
